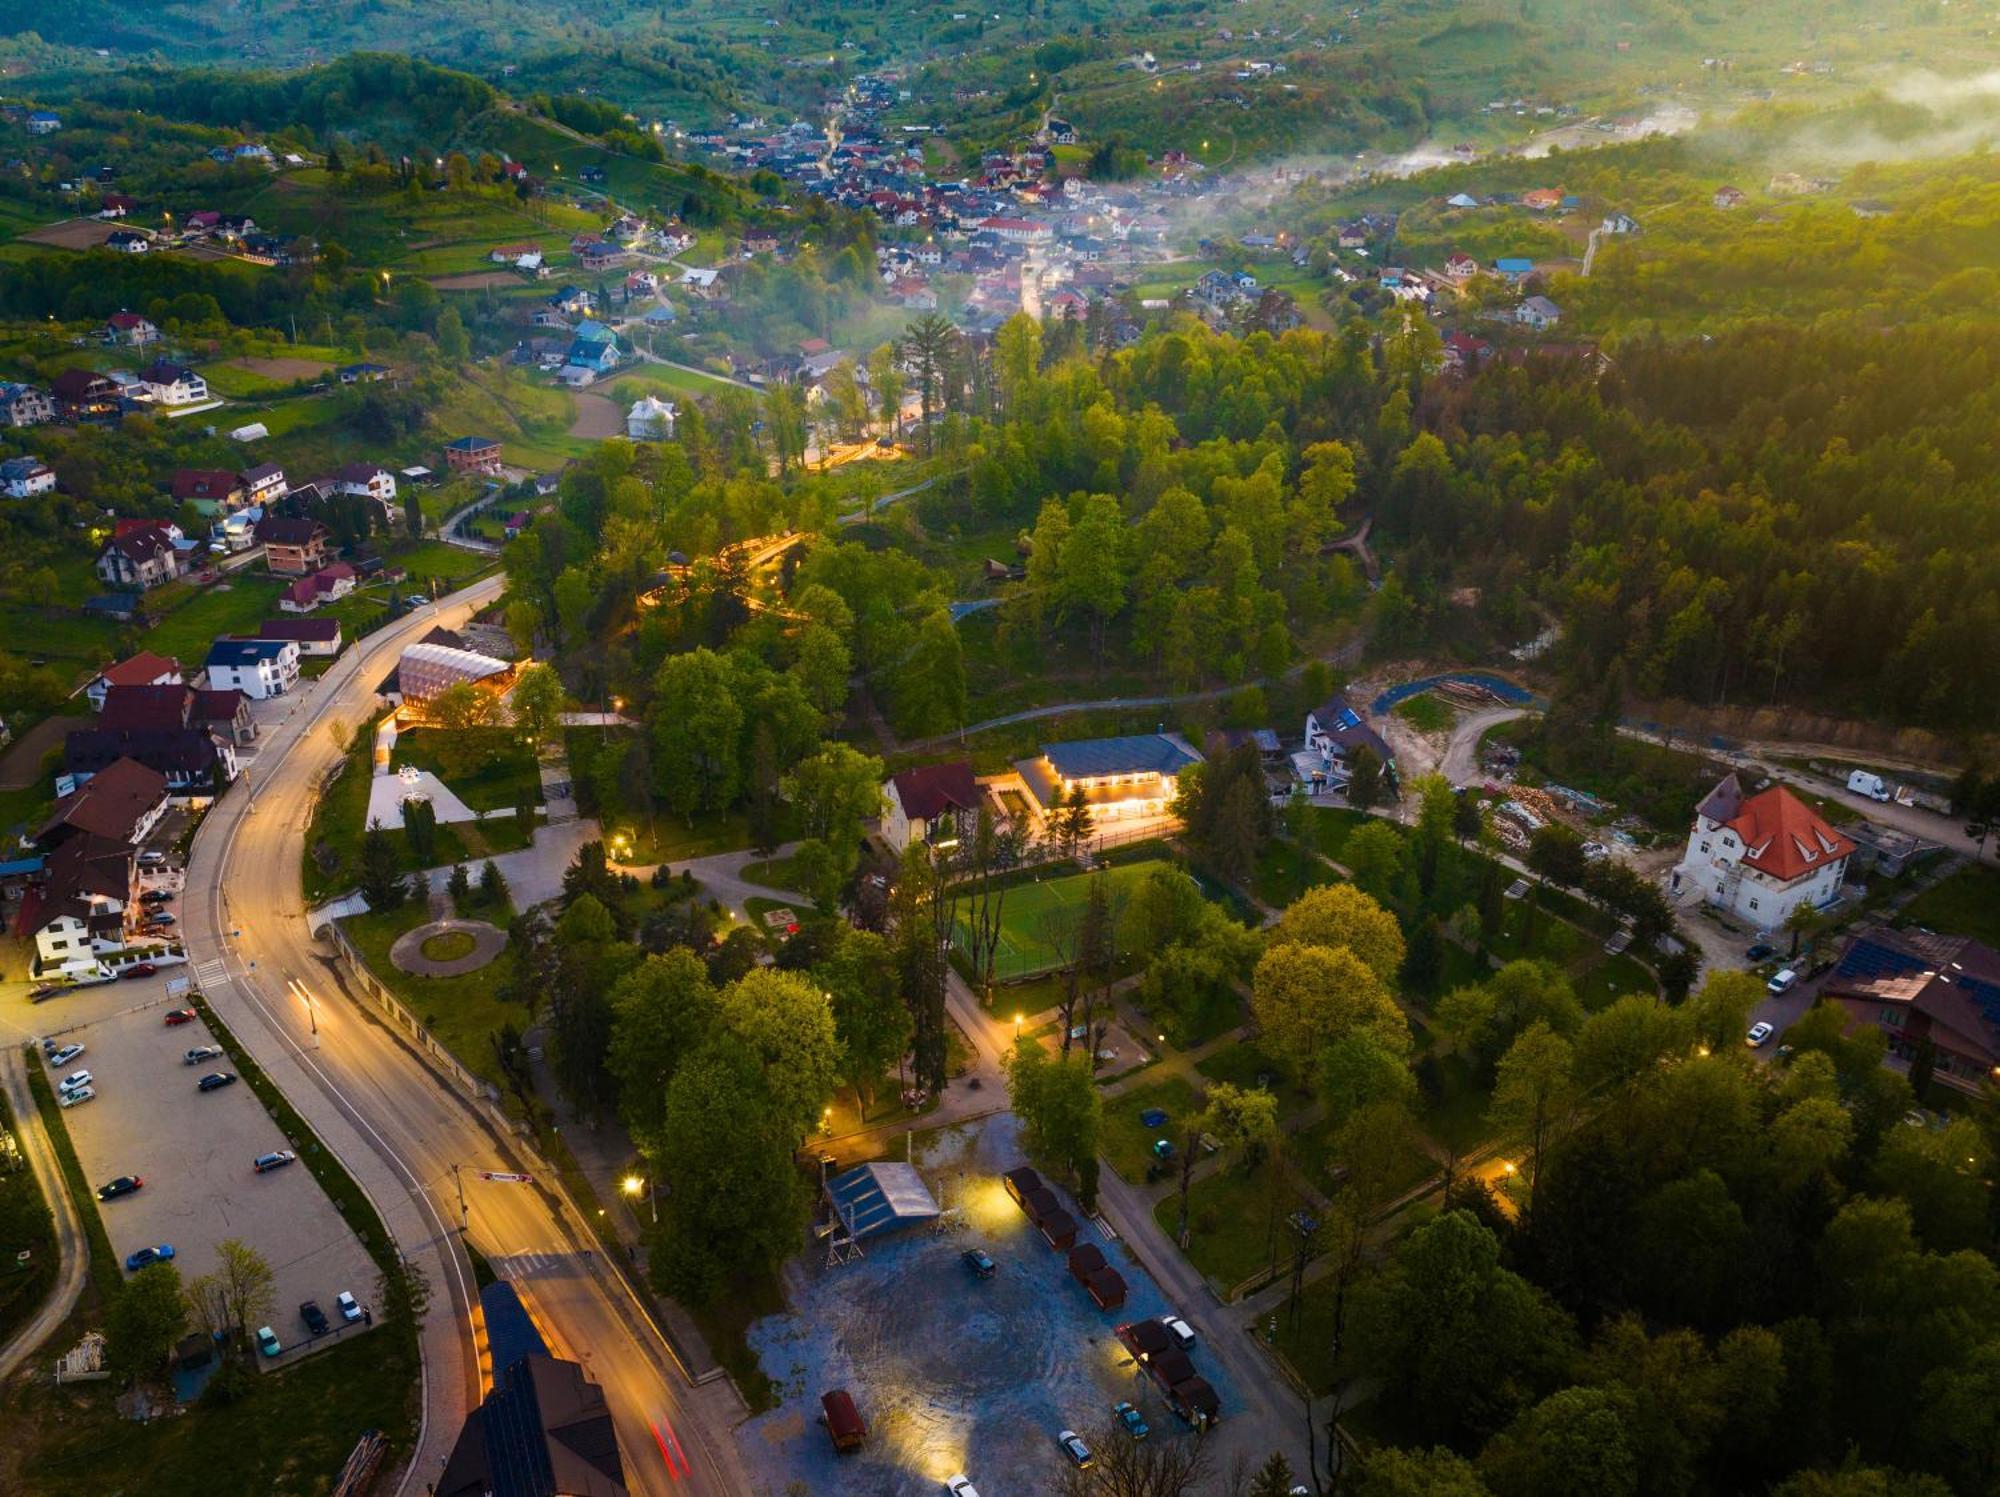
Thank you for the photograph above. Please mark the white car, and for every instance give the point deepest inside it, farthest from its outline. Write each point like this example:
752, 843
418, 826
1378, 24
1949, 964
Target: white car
64, 1056
1180, 1330
75, 1081
1783, 983
1759, 1033
78, 1097
345, 1303
1073, 1447
960, 1486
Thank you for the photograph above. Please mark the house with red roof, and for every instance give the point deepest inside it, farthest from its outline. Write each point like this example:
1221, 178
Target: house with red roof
130, 328
142, 669
1759, 857
929, 803
1923, 989
329, 584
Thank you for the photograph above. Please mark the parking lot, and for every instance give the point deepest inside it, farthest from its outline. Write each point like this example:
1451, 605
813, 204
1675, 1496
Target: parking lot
950, 1372
193, 1150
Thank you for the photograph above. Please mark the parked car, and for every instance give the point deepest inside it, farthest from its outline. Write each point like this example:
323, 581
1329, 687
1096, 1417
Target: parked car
1783, 983
201, 1053
181, 1016
417, 600
960, 1486
124, 1185
215, 1081
1180, 1330
344, 1302
160, 917
164, 1253
152, 859
157, 896
65, 1055
981, 1265
1073, 1447
1759, 1033
78, 1097
314, 1317
277, 1159
1762, 951
75, 1080
49, 990
1130, 1420
139, 969
267, 1341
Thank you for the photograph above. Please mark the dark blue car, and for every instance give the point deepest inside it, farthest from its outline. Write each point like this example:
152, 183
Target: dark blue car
164, 1253
976, 1260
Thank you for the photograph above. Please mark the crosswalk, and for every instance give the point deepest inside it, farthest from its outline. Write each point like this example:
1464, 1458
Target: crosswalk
527, 1265
211, 974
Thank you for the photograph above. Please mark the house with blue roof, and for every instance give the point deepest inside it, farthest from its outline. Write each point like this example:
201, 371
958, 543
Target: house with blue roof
1514, 267
1335, 731
44, 122
595, 348
1131, 776
259, 668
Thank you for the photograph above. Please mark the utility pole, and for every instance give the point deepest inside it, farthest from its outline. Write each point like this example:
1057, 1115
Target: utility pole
460, 1183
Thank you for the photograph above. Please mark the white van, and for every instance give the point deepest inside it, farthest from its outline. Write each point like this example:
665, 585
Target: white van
1783, 983
1862, 782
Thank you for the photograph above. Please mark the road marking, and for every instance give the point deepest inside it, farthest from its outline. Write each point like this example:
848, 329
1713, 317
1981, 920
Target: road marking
212, 973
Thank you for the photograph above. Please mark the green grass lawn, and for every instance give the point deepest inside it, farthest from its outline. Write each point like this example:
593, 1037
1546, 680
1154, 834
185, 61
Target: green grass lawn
463, 1012
1126, 1143
1240, 1064
1965, 904
1427, 713
1229, 1223
200, 616
772, 873
1602, 983
1452, 1109
426, 561
1333, 825
1284, 872
513, 775
1024, 937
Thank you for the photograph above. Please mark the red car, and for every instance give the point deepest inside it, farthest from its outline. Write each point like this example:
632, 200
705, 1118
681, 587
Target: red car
182, 1016
139, 969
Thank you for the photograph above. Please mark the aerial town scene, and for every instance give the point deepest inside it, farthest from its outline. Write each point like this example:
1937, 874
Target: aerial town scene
1127, 748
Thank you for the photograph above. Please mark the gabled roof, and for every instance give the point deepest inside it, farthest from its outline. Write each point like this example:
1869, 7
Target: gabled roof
1953, 982
82, 867
145, 708
880, 1197
239, 652
1784, 837
316, 631
142, 669
204, 483
282, 530
111, 803
933, 789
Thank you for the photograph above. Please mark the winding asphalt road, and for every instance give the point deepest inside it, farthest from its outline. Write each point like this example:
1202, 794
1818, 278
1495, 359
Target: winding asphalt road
70, 1244
407, 1138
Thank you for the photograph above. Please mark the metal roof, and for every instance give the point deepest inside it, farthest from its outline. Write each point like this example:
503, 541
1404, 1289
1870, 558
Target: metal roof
880, 1197
1139, 753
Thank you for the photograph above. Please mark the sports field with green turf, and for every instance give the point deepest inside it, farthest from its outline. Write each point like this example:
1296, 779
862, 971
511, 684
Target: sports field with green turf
1031, 914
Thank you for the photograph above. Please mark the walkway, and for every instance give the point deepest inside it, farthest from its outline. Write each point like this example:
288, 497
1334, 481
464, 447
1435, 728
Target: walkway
488, 941
69, 1229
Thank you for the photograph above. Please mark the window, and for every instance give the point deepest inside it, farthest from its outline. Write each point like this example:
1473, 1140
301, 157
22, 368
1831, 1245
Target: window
1704, 847
1753, 904
1892, 1018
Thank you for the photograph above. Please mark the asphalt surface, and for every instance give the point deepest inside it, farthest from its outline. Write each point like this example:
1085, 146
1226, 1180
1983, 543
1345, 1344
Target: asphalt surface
393, 1122
194, 1150
69, 1228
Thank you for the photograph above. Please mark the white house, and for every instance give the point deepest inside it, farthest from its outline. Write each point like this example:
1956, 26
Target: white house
1760, 857
25, 477
259, 668
142, 669
173, 384
367, 480
929, 804
1538, 312
651, 420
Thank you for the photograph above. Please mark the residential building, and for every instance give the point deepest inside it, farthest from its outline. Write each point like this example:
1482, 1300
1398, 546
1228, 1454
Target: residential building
130, 328
595, 348
933, 803
1919, 987
1728, 197
25, 477
292, 547
174, 384
1513, 267
143, 556
1539, 313
25, 405
1119, 777
651, 420
259, 668
362, 374
142, 669
328, 585
1335, 732
367, 480
217, 484
120, 803
1460, 266
171, 708
1759, 857
79, 907
85, 395
427, 669
195, 761
314, 637
44, 122
472, 455
263, 484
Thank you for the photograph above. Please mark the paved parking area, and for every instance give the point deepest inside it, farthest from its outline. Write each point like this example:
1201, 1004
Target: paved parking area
194, 1151
950, 1372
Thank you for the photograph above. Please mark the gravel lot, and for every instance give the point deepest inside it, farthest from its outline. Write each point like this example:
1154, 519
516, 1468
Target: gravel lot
194, 1151
952, 1373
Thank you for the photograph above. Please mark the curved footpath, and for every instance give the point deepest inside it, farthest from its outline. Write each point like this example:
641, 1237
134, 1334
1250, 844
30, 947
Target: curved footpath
70, 1243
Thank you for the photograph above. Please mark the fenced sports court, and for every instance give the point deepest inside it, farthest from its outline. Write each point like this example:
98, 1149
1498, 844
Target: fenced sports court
1035, 911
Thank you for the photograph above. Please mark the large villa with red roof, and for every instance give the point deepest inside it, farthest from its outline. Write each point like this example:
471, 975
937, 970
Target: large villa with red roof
1760, 857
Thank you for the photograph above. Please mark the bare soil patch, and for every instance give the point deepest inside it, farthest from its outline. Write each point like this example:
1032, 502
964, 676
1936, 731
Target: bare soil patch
73, 233
21, 765
284, 368
474, 280
597, 417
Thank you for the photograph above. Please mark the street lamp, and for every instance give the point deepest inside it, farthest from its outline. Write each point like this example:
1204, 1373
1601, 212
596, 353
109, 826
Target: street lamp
635, 1187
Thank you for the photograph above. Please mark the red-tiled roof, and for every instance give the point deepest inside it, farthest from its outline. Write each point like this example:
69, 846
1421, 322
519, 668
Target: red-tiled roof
933, 789
1784, 837
111, 803
143, 669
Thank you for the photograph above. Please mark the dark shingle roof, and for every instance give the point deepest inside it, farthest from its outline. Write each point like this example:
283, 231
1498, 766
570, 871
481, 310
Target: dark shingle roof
1139, 753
